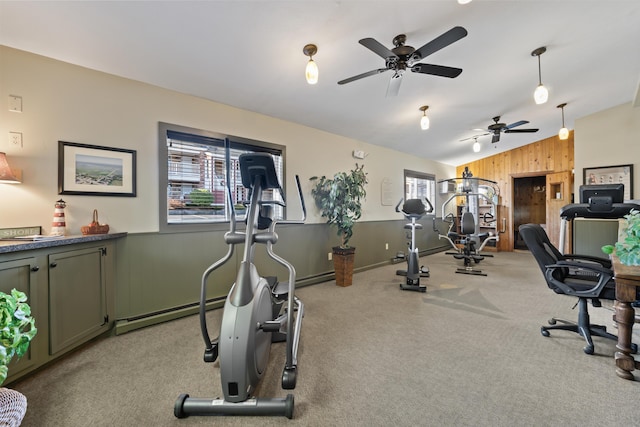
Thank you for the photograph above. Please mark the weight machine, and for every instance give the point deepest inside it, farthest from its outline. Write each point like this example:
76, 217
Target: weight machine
469, 239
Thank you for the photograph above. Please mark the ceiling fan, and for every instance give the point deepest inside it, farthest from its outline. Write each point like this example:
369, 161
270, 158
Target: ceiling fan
497, 128
403, 57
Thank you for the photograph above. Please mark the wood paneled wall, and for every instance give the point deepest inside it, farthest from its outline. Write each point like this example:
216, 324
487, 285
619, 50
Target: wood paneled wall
540, 158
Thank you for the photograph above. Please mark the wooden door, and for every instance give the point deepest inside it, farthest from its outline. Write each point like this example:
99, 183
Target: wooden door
559, 187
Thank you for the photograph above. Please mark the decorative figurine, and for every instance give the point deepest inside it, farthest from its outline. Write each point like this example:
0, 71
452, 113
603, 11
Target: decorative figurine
59, 226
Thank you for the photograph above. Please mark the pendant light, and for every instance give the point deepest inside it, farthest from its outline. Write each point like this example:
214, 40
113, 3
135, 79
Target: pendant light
476, 145
311, 71
564, 132
424, 120
541, 93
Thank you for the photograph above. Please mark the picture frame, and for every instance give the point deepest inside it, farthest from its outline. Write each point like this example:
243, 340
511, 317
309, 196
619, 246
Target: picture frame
611, 175
93, 170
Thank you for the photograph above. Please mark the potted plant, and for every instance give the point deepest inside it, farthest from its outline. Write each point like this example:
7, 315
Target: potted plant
17, 329
628, 249
340, 202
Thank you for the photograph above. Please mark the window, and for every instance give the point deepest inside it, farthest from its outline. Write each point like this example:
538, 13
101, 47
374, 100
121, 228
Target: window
419, 185
193, 176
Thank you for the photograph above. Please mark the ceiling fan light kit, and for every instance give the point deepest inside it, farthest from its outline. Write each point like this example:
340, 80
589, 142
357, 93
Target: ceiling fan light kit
564, 132
311, 72
541, 94
424, 120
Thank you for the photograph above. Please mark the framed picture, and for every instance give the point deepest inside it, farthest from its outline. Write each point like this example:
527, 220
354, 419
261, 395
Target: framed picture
91, 170
622, 174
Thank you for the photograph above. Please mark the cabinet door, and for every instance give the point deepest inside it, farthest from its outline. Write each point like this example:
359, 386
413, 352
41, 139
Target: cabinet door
22, 275
77, 297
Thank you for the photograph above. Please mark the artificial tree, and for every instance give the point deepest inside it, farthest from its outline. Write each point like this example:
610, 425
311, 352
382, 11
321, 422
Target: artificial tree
340, 202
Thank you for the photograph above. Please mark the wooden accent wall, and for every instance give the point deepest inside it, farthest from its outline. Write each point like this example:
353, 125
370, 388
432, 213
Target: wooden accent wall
550, 155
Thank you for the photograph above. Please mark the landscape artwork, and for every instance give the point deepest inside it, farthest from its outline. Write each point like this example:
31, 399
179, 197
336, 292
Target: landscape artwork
94, 170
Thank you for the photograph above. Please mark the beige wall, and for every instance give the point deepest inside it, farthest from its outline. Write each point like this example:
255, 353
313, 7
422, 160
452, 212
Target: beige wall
70, 103
607, 138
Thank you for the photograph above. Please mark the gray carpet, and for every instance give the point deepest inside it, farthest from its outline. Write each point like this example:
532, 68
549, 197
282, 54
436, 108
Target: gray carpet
467, 353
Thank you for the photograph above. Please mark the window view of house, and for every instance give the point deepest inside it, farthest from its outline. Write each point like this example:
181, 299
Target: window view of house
197, 177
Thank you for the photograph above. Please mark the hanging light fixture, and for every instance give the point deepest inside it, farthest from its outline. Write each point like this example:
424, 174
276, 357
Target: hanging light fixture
6, 174
311, 72
541, 93
424, 120
476, 145
564, 132
464, 1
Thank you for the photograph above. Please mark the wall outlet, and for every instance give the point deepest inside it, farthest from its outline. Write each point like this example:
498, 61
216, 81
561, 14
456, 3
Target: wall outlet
15, 138
329, 256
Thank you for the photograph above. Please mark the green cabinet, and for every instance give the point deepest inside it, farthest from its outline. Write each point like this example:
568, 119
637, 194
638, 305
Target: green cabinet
70, 286
77, 297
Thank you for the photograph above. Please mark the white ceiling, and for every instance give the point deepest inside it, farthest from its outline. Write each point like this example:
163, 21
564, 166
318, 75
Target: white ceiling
248, 54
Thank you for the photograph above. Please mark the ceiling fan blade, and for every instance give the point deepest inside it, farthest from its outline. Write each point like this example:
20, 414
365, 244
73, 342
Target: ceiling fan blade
495, 137
363, 75
378, 48
520, 123
520, 130
440, 42
394, 84
437, 70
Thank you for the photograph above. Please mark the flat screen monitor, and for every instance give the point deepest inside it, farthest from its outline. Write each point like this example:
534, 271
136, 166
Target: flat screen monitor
602, 193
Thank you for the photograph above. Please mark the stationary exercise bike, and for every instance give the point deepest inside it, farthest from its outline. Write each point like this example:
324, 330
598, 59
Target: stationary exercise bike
413, 210
258, 310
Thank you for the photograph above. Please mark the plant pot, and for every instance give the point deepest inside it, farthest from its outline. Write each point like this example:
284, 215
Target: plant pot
13, 406
343, 259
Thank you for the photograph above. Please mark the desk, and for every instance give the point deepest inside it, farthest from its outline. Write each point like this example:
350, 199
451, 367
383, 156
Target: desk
627, 280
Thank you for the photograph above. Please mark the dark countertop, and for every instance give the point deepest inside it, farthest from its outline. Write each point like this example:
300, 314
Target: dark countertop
11, 246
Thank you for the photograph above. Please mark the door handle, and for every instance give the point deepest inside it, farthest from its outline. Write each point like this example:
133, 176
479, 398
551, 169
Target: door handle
504, 225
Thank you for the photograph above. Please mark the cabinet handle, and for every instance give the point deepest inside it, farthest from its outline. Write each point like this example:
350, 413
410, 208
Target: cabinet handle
53, 264
35, 268
504, 225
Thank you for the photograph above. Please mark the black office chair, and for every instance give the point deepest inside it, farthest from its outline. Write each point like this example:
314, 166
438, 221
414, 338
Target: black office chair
583, 276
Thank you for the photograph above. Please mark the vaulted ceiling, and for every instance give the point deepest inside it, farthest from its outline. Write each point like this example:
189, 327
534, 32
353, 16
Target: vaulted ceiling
248, 54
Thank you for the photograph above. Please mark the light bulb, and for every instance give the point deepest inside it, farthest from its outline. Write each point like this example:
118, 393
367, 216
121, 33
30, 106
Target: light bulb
464, 1
311, 72
476, 147
563, 134
424, 122
541, 94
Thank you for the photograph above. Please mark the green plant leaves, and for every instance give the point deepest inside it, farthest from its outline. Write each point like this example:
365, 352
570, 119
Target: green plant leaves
628, 250
339, 199
17, 328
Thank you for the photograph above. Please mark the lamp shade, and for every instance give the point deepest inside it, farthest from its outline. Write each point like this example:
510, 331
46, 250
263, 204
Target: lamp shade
311, 72
476, 147
541, 94
424, 122
563, 133
6, 175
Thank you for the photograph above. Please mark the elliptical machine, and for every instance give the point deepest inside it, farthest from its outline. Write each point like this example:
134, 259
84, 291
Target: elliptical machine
258, 310
413, 210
